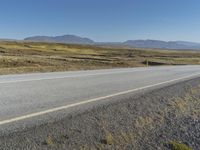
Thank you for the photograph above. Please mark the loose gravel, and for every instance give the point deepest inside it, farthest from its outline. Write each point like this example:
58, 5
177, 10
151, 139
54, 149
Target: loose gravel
141, 122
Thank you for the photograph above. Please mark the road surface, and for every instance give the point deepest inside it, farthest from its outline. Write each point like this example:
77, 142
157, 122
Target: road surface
24, 98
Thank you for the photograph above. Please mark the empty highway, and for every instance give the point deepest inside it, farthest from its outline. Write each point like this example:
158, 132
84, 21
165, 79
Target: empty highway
32, 96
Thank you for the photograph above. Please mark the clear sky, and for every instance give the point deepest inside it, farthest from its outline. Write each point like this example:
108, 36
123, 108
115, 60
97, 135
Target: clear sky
102, 20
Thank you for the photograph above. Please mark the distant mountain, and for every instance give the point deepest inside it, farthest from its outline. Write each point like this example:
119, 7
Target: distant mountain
162, 44
8, 40
154, 44
188, 43
70, 39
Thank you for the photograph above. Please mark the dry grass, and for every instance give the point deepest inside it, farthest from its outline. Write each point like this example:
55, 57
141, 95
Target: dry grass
142, 122
178, 146
49, 141
109, 139
23, 57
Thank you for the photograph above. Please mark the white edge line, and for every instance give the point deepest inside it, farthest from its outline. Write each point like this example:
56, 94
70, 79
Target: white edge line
3, 122
74, 76
69, 76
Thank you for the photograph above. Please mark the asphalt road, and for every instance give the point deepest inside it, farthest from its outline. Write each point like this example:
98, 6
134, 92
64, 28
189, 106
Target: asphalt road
32, 96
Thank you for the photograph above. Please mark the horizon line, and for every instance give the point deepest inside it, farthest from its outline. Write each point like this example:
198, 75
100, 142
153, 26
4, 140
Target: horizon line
135, 39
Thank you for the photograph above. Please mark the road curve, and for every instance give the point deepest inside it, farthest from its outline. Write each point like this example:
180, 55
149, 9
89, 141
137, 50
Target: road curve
31, 96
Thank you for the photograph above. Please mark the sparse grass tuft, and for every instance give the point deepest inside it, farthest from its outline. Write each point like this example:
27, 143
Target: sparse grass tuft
84, 147
49, 141
109, 140
126, 137
180, 105
142, 122
178, 146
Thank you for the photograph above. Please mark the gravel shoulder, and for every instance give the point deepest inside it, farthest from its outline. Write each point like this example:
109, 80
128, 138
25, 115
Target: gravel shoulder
152, 120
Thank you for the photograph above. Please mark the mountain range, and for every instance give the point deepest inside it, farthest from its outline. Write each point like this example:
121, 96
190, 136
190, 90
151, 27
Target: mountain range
70, 39
157, 44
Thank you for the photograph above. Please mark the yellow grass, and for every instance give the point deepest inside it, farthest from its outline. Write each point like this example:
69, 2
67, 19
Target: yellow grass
23, 57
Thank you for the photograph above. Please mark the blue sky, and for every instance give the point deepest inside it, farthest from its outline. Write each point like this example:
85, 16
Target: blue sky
102, 20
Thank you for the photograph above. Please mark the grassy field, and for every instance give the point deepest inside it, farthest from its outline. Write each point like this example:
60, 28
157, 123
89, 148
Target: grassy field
24, 57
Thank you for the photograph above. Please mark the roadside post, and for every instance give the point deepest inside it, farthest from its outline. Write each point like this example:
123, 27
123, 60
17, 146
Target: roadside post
147, 62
